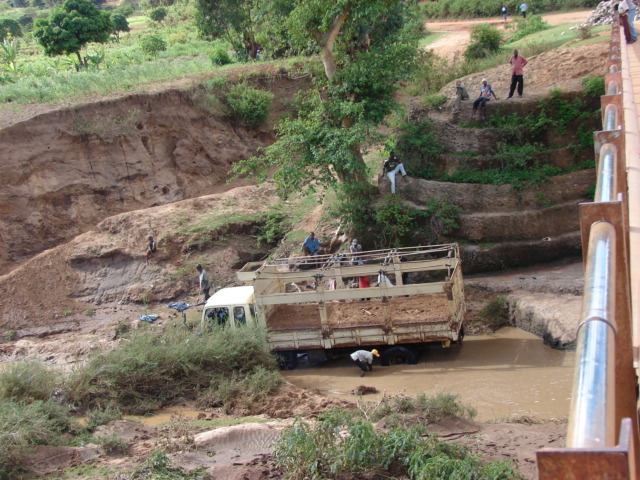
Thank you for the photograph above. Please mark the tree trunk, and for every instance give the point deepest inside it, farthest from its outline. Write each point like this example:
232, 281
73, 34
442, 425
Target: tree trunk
328, 39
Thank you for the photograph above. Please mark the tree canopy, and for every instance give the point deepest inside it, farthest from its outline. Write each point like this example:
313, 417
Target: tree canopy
120, 24
367, 48
71, 26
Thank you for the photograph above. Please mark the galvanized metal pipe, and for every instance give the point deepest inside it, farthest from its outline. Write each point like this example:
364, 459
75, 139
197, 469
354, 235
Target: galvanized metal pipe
592, 412
606, 183
610, 117
612, 87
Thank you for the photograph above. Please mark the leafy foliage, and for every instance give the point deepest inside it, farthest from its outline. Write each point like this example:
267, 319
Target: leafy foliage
485, 40
232, 20
158, 467
367, 47
527, 26
25, 424
340, 443
248, 105
158, 14
120, 24
9, 28
594, 86
480, 8
150, 369
220, 57
71, 26
418, 146
152, 45
9, 49
27, 381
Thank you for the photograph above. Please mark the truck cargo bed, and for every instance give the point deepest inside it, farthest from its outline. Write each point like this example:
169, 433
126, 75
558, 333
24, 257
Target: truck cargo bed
413, 310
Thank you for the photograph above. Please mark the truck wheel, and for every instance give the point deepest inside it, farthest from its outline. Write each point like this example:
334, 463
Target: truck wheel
287, 360
460, 336
396, 355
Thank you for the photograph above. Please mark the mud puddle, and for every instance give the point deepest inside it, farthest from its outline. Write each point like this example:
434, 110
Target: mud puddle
509, 373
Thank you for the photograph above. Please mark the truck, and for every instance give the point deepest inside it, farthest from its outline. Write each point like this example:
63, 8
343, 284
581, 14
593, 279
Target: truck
311, 306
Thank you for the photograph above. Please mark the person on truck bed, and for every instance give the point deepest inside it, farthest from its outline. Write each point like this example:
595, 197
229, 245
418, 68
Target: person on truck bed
311, 245
364, 359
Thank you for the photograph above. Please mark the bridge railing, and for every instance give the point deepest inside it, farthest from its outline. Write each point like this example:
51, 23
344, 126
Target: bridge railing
602, 433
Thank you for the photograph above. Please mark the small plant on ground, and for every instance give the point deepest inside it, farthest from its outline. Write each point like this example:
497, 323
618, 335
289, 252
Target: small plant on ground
220, 56
112, 444
102, 416
152, 45
485, 40
594, 86
158, 466
28, 381
345, 445
248, 105
495, 314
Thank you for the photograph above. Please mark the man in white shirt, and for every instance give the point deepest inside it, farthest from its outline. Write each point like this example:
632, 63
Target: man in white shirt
364, 359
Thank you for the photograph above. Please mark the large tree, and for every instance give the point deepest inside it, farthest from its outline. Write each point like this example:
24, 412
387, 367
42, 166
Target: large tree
71, 26
231, 20
367, 48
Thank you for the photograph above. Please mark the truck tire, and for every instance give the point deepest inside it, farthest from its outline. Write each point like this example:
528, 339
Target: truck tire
460, 336
287, 360
397, 355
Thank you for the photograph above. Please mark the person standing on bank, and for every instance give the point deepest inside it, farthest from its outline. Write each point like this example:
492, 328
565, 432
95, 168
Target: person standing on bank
517, 62
461, 94
503, 10
523, 9
364, 360
205, 286
392, 166
627, 11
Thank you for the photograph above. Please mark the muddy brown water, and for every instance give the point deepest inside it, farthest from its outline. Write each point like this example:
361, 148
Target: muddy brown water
508, 373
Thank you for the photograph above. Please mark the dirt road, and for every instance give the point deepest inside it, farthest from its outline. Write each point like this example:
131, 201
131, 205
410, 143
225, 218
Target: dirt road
456, 32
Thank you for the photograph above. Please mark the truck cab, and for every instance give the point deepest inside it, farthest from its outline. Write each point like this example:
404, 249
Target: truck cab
229, 307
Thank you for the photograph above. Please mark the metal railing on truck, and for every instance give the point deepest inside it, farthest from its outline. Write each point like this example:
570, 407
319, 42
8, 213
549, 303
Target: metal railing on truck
602, 433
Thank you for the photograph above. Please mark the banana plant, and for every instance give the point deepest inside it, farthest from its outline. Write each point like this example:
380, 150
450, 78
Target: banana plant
9, 52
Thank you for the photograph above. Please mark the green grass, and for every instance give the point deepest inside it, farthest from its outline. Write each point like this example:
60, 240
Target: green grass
152, 369
555, 37
343, 444
429, 39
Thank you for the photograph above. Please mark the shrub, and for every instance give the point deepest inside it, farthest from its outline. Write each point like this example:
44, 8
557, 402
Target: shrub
527, 26
150, 369
275, 227
418, 146
158, 466
220, 56
158, 14
247, 104
341, 443
26, 424
585, 31
9, 27
27, 381
241, 391
152, 45
495, 313
485, 40
434, 101
112, 444
594, 86
102, 416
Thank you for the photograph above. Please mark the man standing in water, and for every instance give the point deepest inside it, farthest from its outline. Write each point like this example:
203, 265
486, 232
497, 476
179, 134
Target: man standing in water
364, 359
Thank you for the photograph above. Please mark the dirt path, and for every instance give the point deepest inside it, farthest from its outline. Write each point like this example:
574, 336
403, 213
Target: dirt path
456, 32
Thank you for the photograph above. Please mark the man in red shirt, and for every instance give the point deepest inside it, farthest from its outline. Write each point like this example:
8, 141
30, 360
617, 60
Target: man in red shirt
517, 62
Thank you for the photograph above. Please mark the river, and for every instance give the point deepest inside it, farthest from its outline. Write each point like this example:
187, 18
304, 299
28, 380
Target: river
509, 373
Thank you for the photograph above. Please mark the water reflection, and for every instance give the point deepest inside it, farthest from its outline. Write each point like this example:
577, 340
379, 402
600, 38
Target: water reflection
509, 373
